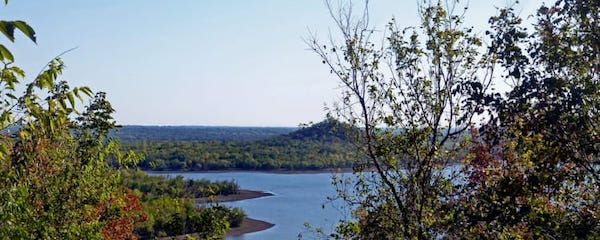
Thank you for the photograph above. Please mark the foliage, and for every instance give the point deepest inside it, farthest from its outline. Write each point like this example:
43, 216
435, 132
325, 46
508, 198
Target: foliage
197, 133
537, 161
7, 28
177, 187
57, 163
57, 182
236, 216
171, 209
169, 216
413, 99
319, 146
329, 130
54, 160
530, 171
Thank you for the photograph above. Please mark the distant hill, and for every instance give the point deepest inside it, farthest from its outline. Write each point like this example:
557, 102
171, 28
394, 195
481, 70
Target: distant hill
325, 131
132, 133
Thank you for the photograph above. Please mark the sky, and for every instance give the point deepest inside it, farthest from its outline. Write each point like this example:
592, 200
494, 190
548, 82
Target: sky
200, 62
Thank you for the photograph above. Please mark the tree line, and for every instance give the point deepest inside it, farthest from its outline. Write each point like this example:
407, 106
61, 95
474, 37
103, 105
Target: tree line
315, 147
134, 133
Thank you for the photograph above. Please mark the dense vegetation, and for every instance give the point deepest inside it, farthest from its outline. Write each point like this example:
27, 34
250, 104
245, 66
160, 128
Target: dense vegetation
55, 159
151, 186
423, 96
319, 146
197, 133
169, 205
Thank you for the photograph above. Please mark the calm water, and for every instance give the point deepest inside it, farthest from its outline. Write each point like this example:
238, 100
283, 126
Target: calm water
298, 199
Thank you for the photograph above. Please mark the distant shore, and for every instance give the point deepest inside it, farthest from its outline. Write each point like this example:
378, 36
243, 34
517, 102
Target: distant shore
277, 171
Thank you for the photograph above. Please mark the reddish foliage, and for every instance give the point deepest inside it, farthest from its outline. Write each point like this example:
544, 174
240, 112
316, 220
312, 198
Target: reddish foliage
122, 226
481, 164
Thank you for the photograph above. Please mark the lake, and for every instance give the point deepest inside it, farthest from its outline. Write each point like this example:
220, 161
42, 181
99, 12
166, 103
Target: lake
298, 199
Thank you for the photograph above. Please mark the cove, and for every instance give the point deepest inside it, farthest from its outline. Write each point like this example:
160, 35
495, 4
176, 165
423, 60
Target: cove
297, 199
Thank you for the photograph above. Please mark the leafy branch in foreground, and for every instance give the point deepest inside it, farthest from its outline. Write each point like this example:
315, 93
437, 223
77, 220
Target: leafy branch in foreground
56, 164
414, 98
530, 161
57, 182
534, 171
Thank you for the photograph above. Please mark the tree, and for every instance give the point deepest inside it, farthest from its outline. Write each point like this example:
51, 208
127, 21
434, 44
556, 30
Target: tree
55, 161
413, 98
58, 182
537, 162
530, 164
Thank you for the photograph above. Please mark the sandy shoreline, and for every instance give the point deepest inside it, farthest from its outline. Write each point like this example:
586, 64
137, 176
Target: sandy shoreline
242, 195
249, 225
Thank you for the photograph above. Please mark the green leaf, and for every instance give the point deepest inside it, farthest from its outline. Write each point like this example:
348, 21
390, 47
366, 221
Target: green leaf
8, 29
71, 99
3, 149
86, 90
23, 135
62, 105
5, 117
76, 93
51, 124
6, 54
26, 29
51, 105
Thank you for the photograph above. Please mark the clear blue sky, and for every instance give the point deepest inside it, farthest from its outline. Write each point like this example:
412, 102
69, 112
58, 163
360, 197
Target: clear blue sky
192, 62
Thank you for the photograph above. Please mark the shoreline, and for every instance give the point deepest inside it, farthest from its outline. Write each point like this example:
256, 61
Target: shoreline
249, 225
242, 194
276, 171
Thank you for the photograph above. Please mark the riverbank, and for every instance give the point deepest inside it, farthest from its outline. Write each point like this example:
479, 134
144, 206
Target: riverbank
249, 225
275, 171
241, 195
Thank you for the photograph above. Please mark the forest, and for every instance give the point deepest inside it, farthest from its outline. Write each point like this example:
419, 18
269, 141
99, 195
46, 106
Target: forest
132, 133
319, 146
